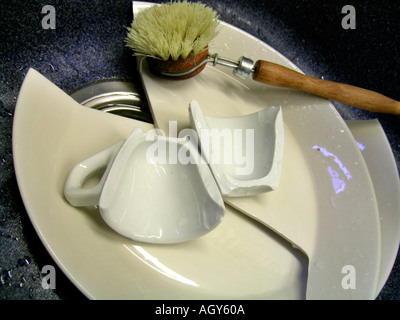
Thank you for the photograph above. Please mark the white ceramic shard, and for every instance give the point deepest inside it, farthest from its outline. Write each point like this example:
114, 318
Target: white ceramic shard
244, 153
145, 196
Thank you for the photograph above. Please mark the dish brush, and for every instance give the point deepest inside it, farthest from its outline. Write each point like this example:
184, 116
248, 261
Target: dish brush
175, 37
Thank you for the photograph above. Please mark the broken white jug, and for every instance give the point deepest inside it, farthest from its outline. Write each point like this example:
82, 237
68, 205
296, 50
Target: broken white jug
145, 200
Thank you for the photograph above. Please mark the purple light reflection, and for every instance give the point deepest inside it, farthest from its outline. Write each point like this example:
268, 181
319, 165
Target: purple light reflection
339, 185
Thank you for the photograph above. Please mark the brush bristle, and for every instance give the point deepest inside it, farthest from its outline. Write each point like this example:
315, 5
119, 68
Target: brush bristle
172, 30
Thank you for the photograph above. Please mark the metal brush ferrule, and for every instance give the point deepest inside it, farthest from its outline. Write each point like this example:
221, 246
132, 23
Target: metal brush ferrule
245, 68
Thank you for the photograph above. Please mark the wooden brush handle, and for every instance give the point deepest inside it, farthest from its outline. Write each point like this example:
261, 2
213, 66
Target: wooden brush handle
277, 75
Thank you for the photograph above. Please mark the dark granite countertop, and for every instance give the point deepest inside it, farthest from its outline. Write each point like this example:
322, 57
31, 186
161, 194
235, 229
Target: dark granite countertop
87, 45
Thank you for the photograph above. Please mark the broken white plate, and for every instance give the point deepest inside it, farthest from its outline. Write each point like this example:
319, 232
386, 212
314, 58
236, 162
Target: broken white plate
139, 170
105, 265
245, 153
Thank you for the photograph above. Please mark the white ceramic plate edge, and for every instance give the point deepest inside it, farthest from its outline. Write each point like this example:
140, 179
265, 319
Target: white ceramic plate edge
381, 164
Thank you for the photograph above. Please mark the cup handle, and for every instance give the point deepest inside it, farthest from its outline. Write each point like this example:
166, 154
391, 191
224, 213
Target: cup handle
74, 191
